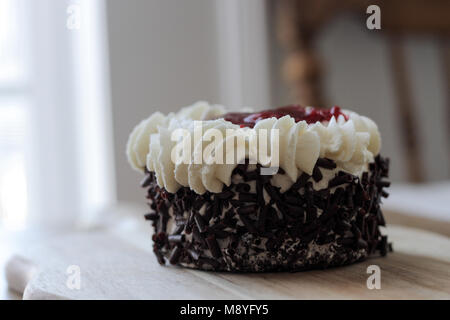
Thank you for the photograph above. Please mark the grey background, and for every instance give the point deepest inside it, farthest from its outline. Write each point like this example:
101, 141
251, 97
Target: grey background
163, 55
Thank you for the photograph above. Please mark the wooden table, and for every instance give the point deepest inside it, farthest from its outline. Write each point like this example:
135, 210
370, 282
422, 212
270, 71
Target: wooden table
118, 264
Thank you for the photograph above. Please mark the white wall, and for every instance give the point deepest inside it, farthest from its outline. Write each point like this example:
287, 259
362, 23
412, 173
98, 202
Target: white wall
162, 57
165, 54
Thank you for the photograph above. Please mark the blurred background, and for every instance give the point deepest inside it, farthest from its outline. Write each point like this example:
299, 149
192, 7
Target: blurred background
77, 75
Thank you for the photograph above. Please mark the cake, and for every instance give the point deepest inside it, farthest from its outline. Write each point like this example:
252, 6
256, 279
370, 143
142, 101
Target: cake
319, 207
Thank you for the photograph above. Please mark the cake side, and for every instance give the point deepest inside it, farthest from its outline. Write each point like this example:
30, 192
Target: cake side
252, 227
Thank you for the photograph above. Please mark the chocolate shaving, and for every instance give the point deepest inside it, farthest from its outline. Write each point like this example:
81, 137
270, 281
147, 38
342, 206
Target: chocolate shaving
227, 194
159, 256
383, 184
247, 209
151, 216
247, 197
146, 181
179, 229
194, 254
301, 182
176, 238
200, 223
213, 246
326, 163
175, 255
317, 175
198, 237
250, 176
242, 187
340, 179
262, 219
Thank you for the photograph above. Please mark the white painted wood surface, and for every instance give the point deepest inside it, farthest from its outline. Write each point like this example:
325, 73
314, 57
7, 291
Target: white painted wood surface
120, 265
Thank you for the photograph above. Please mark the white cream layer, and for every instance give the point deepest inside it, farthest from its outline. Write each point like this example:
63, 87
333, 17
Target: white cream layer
351, 144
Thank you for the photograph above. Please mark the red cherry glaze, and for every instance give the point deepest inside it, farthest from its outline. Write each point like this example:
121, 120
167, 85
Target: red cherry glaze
299, 113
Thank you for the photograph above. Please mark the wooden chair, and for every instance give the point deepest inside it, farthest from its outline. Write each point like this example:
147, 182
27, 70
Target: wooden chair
299, 21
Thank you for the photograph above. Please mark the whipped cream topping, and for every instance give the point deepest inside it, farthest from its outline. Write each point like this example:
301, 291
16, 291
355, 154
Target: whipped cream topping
351, 143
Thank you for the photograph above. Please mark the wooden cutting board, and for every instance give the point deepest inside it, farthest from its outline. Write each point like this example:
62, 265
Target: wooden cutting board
120, 265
